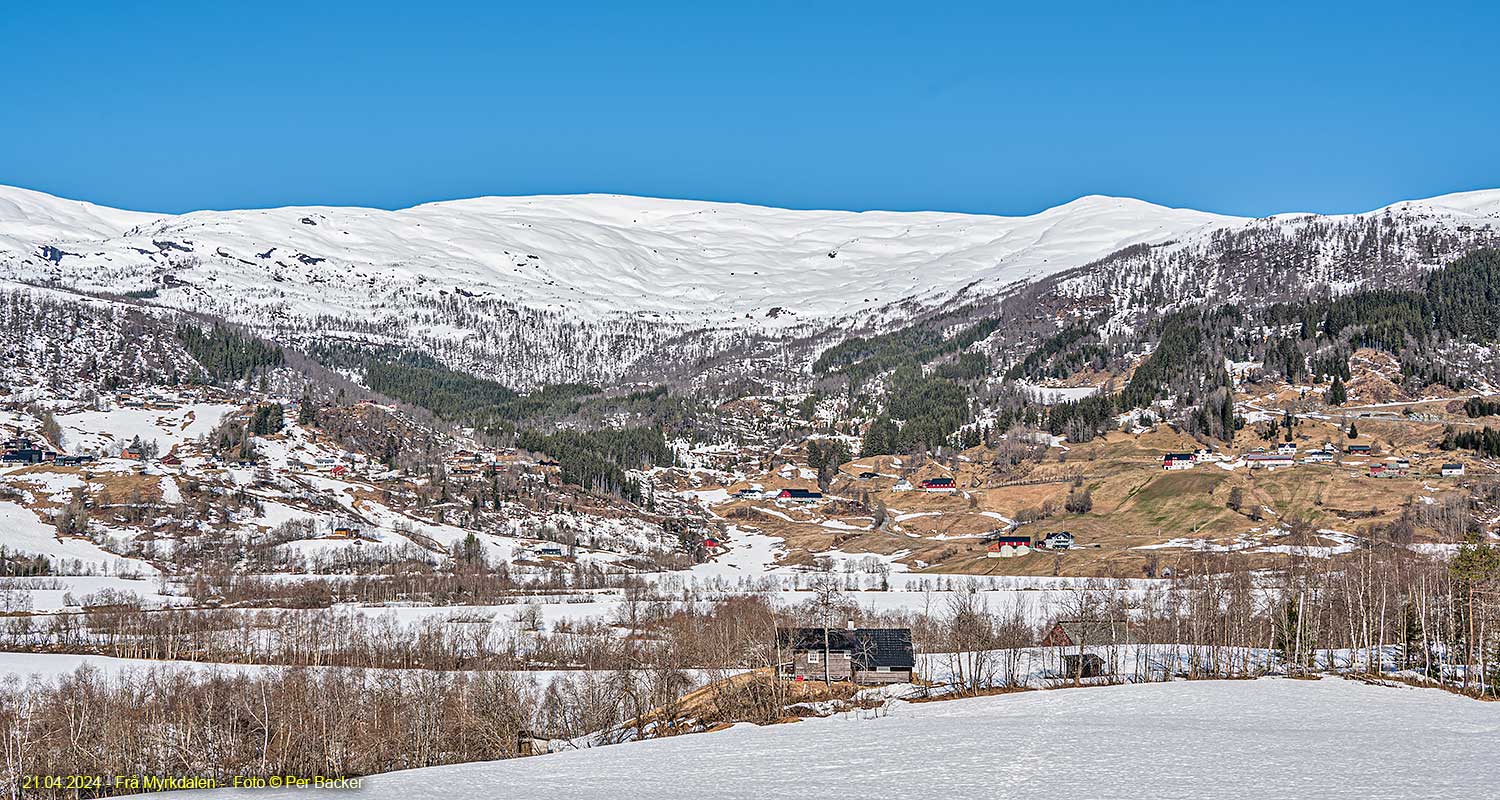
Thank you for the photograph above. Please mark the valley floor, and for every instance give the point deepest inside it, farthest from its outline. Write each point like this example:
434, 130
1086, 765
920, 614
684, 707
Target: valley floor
1327, 738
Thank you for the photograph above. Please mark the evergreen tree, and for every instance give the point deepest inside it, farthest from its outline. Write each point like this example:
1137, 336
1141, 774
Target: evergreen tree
307, 410
1337, 394
268, 419
824, 457
880, 437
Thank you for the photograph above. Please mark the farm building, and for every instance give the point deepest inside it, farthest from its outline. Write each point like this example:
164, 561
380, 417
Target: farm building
1453, 470
939, 485
1060, 540
864, 655
30, 455
1178, 461
1269, 460
799, 494
1087, 665
1088, 633
1006, 545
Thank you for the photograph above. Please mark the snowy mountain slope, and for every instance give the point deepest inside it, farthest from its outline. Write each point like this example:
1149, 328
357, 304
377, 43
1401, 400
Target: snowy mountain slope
1288, 256
538, 289
593, 256
29, 219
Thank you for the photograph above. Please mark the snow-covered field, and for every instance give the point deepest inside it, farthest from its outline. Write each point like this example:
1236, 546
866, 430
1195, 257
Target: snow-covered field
1328, 739
22, 532
87, 431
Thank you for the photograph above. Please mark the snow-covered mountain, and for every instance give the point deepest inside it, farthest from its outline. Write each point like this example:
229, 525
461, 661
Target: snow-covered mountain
1289, 256
532, 289
592, 256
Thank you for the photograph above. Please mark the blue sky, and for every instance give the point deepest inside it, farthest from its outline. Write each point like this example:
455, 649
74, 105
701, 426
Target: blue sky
1238, 108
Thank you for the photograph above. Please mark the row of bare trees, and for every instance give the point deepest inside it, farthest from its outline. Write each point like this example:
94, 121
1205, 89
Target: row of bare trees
219, 724
368, 694
1376, 611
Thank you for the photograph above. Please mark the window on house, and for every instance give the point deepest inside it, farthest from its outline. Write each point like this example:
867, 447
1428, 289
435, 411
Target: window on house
882, 669
814, 658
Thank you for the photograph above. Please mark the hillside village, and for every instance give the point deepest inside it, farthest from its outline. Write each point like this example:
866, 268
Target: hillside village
1303, 479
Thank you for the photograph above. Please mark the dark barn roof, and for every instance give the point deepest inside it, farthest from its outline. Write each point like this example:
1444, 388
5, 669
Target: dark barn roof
871, 647
1096, 632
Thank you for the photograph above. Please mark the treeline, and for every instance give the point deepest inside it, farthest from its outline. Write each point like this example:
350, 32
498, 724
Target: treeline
220, 724
1187, 367
22, 565
930, 407
1481, 407
862, 357
597, 460
392, 696
1063, 353
1083, 419
1485, 441
593, 459
74, 348
1458, 301
225, 354
1188, 360
422, 381
347, 721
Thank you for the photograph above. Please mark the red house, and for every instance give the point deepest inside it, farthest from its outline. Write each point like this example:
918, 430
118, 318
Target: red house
1178, 461
939, 484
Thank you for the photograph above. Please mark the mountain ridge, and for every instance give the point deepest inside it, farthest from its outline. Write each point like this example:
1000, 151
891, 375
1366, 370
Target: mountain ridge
536, 289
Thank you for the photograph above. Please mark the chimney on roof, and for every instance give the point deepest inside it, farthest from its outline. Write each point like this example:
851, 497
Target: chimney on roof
851, 625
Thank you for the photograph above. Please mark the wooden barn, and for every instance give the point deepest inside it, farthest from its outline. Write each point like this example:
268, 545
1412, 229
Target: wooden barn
863, 655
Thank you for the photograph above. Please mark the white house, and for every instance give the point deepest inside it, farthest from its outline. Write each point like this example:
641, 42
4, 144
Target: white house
1453, 470
1269, 460
1061, 540
1174, 461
